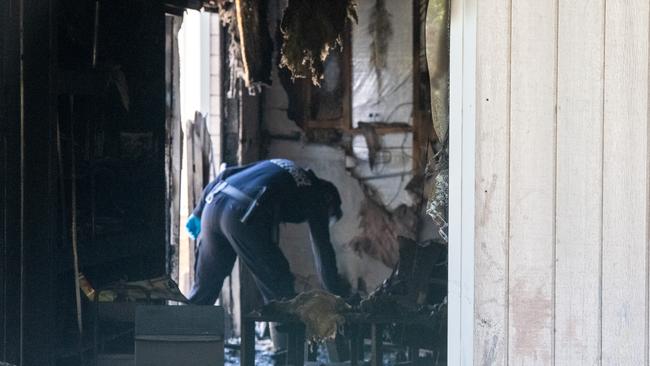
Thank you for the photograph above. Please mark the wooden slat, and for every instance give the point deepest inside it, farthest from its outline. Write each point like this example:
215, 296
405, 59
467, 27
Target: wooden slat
579, 181
197, 174
625, 177
532, 179
492, 188
174, 144
249, 151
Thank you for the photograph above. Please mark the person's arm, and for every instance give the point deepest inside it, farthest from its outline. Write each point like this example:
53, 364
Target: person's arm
324, 255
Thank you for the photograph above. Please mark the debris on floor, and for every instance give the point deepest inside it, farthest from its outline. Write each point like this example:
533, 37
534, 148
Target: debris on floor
263, 352
265, 356
407, 289
437, 206
321, 312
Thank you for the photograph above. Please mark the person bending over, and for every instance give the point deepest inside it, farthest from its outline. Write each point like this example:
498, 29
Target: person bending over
239, 214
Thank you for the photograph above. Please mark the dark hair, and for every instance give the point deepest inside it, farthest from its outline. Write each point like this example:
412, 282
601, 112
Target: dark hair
331, 197
326, 195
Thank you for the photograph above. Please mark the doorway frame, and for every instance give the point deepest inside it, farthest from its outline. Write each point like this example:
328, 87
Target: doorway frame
462, 165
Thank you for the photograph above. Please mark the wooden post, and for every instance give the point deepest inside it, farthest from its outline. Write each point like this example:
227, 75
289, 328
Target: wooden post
377, 357
248, 151
247, 349
173, 145
198, 167
356, 344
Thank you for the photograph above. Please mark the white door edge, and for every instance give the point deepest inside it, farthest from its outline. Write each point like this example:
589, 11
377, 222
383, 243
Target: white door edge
462, 150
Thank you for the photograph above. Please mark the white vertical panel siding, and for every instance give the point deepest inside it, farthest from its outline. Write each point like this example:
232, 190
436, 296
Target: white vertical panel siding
579, 181
455, 295
562, 183
532, 182
492, 185
625, 184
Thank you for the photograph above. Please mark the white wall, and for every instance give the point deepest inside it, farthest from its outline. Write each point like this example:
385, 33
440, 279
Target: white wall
328, 163
562, 183
194, 49
331, 163
394, 101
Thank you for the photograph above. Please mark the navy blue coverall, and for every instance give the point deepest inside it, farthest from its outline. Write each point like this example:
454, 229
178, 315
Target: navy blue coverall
292, 195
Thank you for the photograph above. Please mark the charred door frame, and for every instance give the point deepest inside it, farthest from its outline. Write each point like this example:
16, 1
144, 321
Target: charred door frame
36, 198
26, 115
9, 182
462, 156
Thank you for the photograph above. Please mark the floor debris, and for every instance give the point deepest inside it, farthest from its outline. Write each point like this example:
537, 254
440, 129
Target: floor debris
265, 356
321, 312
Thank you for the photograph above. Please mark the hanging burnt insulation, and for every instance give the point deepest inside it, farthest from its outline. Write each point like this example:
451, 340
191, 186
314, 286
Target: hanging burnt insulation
228, 15
310, 30
250, 46
255, 42
381, 31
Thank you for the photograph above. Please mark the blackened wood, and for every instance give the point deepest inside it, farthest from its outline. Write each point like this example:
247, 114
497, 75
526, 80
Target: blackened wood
10, 181
249, 142
38, 190
356, 344
255, 41
377, 356
247, 352
174, 144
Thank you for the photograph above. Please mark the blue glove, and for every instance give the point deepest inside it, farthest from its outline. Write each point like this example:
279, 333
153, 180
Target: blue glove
193, 226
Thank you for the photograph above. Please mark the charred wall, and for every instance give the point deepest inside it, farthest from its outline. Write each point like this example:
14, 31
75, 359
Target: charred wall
9, 182
59, 115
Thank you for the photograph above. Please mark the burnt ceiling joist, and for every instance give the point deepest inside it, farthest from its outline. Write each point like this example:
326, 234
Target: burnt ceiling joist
178, 7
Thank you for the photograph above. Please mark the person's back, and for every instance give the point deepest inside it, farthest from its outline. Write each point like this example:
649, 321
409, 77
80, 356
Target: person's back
289, 188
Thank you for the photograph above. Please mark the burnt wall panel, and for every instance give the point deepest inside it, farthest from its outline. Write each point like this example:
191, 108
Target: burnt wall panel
9, 184
119, 134
37, 311
37, 212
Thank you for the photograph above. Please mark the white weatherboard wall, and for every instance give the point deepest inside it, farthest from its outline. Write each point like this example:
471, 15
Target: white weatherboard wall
561, 186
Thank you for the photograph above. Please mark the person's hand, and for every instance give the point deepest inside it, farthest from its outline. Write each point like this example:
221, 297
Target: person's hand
193, 226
